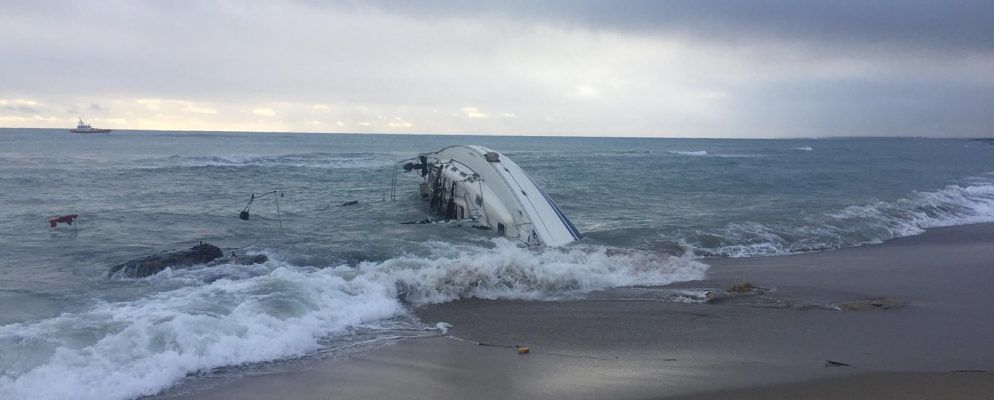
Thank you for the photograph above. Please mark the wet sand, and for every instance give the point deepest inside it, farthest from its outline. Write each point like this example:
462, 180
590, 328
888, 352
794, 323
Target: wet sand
923, 327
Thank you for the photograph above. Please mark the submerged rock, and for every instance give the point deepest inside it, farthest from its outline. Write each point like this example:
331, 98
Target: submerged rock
139, 268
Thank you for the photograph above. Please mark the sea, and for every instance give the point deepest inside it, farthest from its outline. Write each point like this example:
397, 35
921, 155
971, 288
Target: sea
345, 278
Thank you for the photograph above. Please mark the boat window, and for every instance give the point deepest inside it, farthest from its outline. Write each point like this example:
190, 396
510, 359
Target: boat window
500, 228
479, 200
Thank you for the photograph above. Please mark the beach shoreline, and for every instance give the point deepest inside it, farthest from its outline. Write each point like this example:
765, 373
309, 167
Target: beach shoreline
922, 329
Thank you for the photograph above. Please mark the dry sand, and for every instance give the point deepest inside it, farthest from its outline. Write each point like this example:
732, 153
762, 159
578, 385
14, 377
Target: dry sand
919, 325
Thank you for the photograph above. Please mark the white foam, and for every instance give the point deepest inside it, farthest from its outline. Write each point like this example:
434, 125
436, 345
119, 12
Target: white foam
443, 327
856, 225
802, 148
689, 153
705, 153
250, 314
130, 349
512, 272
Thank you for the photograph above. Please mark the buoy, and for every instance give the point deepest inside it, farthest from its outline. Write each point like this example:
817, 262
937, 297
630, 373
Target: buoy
523, 350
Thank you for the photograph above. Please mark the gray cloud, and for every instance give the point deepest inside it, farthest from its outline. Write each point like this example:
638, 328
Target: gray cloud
716, 68
941, 26
20, 109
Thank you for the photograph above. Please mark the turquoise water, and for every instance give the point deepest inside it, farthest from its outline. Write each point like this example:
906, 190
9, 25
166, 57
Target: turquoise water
649, 209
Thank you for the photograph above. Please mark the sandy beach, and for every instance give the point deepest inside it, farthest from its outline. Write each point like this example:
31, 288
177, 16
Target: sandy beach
907, 319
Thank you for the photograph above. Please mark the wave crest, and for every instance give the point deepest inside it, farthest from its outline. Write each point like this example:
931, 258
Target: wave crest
511, 272
208, 317
852, 226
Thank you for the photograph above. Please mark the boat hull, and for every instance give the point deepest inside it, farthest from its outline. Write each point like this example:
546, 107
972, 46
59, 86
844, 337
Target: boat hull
474, 182
90, 130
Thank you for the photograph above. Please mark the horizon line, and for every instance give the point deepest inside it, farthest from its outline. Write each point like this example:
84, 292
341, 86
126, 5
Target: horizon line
530, 135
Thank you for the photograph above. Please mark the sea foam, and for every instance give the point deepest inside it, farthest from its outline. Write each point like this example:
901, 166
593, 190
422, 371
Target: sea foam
855, 225
689, 153
201, 320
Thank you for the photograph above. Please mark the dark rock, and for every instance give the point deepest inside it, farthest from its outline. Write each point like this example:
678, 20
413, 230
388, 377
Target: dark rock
151, 265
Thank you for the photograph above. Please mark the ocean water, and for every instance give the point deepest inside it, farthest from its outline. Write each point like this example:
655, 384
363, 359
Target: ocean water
343, 278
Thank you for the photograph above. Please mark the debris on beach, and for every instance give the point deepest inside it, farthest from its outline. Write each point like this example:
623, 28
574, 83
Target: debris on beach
518, 348
203, 253
882, 303
741, 289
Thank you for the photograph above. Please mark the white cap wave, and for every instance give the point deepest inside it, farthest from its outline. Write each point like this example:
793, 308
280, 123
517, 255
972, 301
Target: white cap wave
128, 349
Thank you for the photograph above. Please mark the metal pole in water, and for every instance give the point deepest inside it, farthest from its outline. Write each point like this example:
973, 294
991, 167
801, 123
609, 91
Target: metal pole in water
278, 216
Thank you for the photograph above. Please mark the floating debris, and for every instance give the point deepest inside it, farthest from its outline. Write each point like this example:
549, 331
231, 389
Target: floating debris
883, 303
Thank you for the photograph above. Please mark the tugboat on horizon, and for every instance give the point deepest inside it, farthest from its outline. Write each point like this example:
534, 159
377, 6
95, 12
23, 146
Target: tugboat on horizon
83, 127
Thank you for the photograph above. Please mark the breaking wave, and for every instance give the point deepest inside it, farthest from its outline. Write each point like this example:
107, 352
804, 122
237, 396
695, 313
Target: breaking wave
802, 148
852, 226
204, 318
689, 153
705, 153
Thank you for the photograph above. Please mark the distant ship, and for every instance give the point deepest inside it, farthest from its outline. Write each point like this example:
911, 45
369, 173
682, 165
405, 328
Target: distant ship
83, 127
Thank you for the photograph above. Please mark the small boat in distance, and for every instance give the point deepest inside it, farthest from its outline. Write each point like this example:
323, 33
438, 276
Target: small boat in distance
83, 127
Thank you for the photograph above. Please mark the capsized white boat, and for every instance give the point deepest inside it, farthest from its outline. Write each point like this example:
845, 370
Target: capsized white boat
474, 182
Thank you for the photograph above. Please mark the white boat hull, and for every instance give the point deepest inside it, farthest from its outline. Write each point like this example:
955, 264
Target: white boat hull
474, 182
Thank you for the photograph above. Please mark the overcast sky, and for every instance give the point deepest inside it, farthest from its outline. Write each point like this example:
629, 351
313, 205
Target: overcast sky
734, 68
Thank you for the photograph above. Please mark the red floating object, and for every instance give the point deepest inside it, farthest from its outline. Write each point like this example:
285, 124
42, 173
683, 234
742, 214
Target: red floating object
64, 219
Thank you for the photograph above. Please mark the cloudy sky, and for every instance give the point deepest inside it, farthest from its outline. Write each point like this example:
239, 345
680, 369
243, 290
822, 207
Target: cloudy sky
725, 68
